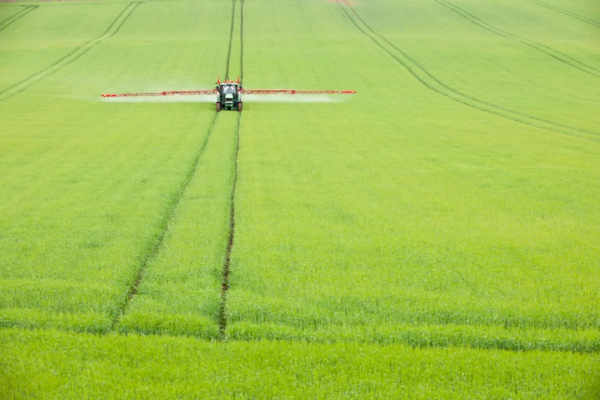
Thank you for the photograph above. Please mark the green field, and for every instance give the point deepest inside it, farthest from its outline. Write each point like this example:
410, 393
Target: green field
433, 236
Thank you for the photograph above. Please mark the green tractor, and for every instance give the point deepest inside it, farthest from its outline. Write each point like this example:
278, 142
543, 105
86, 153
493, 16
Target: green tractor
229, 95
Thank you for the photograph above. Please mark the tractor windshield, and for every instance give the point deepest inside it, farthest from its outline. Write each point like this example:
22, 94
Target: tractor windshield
228, 89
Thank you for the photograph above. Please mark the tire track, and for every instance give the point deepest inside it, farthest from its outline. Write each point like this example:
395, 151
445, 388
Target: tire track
222, 315
433, 83
164, 228
572, 62
242, 40
74, 55
230, 40
10, 20
567, 12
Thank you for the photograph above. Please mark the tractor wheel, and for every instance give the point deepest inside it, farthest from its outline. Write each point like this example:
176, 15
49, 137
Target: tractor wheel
240, 106
218, 106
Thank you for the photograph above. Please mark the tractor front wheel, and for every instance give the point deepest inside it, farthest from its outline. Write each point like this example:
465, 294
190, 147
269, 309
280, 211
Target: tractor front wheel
240, 106
218, 106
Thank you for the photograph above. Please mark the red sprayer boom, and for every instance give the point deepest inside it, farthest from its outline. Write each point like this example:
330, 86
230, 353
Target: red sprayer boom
229, 93
204, 92
172, 93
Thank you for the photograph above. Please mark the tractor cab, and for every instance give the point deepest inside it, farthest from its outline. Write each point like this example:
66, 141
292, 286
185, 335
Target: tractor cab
229, 96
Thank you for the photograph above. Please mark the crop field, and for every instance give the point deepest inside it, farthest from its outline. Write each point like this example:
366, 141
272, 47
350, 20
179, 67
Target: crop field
435, 235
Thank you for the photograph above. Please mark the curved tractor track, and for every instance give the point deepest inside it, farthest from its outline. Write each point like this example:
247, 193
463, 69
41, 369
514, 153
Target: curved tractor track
567, 13
10, 20
557, 55
72, 56
430, 81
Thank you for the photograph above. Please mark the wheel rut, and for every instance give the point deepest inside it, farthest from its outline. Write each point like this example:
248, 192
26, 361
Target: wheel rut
222, 317
557, 55
230, 39
11, 20
567, 13
242, 40
226, 273
418, 71
71, 57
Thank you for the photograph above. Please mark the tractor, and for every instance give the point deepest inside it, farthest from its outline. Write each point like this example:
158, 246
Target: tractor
229, 95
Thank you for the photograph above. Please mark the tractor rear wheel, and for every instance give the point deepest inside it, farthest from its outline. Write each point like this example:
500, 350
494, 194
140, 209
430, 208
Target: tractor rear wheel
240, 106
218, 106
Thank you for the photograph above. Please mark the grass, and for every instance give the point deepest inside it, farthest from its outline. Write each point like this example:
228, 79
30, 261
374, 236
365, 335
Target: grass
72, 366
433, 236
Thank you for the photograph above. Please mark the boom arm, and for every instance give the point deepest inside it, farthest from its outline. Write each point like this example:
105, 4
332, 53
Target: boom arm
291, 91
204, 92
171, 93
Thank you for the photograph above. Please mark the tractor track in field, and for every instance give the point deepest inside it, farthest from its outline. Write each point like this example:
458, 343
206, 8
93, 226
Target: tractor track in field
164, 228
230, 40
12, 19
222, 313
433, 83
72, 56
222, 317
564, 58
567, 12
242, 40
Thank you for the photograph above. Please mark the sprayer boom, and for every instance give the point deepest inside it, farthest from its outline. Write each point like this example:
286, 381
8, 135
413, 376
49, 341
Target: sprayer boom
291, 91
202, 92
205, 92
229, 93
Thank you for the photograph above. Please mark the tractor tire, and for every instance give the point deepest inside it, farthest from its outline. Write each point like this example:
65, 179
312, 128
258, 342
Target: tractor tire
218, 106
240, 105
